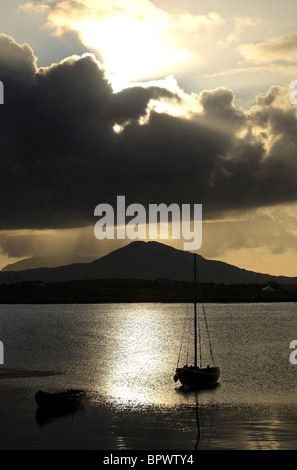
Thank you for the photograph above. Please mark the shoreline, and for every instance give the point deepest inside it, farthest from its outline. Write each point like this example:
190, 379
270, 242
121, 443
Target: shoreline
10, 373
105, 291
148, 301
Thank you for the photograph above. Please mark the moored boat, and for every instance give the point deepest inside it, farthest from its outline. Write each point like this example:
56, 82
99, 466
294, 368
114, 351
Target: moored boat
198, 377
68, 398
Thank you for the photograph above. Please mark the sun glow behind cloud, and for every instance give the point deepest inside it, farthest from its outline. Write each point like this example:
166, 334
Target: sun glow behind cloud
136, 51
133, 38
137, 44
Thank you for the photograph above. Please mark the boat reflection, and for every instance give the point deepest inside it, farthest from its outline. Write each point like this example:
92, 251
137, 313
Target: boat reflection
203, 414
45, 415
198, 421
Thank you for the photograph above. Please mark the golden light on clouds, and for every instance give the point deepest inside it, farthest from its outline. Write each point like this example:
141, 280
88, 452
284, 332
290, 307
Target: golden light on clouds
145, 74
277, 48
131, 58
133, 37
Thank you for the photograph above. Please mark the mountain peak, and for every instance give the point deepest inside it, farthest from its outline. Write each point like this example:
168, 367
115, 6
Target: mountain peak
147, 261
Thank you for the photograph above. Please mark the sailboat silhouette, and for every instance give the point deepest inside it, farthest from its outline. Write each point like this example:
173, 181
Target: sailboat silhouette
194, 376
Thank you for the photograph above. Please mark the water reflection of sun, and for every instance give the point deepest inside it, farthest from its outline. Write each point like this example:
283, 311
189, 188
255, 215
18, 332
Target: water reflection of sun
137, 358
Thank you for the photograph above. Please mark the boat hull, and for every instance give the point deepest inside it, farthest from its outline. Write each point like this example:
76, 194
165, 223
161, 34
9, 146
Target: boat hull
70, 398
198, 377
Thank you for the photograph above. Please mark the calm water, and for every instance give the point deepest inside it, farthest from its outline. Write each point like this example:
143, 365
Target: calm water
125, 356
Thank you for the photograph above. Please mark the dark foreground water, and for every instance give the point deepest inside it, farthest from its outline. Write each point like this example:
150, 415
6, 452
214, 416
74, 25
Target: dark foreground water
125, 355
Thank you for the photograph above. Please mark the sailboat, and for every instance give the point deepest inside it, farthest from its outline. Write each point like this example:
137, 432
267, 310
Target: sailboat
194, 376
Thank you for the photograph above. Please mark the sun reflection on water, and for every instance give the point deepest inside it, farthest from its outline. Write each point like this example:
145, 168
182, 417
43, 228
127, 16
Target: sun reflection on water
139, 358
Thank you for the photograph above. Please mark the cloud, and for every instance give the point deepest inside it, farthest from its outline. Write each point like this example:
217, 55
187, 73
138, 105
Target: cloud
276, 49
31, 7
28, 243
199, 26
240, 25
16, 60
64, 246
60, 155
135, 38
274, 59
74, 14
273, 228
132, 37
279, 71
261, 240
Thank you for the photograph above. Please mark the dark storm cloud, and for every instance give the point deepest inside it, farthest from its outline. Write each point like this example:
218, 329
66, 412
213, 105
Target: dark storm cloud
131, 103
60, 156
16, 60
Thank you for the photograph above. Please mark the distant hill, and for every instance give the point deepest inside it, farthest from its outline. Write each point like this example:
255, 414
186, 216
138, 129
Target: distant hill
47, 261
146, 261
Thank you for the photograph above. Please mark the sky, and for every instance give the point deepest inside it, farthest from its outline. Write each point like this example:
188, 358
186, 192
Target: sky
161, 101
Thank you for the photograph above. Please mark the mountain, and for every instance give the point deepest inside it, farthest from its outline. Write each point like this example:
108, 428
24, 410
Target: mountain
47, 261
147, 261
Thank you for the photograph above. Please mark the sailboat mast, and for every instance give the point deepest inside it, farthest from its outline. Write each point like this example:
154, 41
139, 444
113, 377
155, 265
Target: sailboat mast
195, 314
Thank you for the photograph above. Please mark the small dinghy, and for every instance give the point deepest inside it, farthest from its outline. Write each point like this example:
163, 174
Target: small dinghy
66, 399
